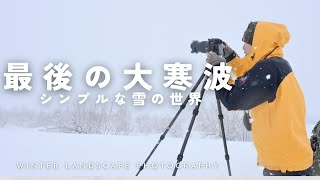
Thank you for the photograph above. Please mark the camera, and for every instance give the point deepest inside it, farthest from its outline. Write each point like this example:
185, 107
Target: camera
214, 45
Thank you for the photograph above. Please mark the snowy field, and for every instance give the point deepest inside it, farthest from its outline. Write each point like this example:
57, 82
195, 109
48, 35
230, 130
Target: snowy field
72, 155
81, 155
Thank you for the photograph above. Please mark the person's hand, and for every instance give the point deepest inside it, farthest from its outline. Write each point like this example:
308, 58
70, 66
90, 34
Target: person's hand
227, 50
214, 59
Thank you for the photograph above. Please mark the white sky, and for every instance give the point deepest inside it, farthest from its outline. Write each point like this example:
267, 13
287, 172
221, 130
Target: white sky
119, 33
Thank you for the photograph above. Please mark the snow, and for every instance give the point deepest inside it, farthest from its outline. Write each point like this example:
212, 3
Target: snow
268, 76
70, 151
19, 145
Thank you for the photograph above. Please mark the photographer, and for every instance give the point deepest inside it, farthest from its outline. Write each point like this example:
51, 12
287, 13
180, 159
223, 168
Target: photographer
267, 87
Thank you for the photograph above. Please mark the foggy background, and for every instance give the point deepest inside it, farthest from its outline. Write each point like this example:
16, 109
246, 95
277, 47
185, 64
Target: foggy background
117, 34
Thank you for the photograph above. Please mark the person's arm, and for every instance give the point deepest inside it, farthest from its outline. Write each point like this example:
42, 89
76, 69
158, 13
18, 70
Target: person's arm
257, 86
239, 65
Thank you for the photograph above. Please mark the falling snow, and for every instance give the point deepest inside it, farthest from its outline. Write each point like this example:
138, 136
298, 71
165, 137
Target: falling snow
268, 76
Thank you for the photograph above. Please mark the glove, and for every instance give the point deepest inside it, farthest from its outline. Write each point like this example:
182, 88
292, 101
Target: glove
214, 59
229, 53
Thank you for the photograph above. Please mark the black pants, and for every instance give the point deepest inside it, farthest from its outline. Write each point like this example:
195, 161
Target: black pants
307, 172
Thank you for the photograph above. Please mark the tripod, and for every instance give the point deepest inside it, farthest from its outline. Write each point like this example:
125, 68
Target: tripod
195, 113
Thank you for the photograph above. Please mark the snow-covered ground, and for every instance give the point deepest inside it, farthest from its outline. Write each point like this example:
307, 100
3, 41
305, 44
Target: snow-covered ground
74, 154
19, 145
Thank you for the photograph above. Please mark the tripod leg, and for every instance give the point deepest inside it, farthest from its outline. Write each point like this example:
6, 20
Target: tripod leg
171, 123
227, 157
195, 113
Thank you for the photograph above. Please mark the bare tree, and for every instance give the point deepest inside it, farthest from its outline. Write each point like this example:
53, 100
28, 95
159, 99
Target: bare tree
156, 124
90, 118
209, 123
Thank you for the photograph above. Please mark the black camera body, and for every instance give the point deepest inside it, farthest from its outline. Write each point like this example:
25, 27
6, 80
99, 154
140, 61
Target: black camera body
214, 45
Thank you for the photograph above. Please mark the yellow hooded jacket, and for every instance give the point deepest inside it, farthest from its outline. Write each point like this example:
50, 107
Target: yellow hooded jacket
266, 85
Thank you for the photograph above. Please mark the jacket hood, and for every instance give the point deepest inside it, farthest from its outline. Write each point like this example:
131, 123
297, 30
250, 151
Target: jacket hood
268, 41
